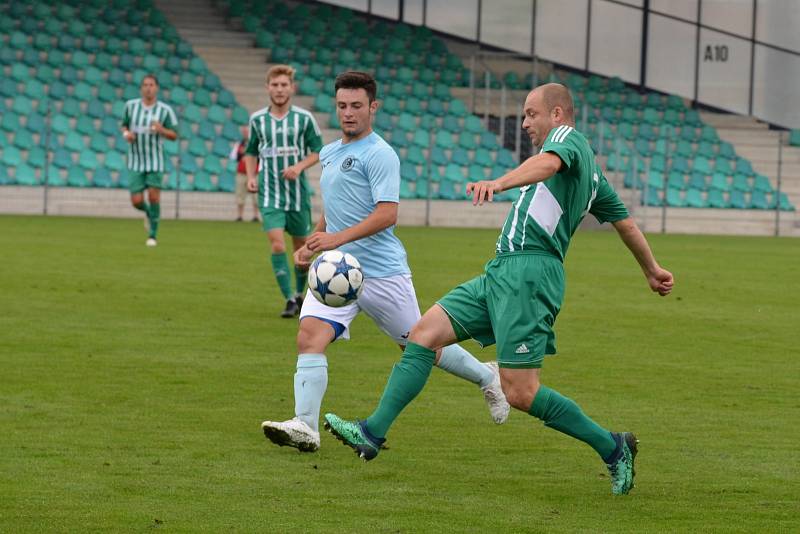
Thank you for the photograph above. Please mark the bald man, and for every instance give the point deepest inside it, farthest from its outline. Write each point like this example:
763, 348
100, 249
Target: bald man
515, 302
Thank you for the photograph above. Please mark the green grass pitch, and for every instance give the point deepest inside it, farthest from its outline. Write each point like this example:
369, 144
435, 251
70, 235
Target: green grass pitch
133, 382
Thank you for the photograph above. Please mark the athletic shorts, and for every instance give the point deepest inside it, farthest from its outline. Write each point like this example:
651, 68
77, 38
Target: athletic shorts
390, 302
514, 304
241, 188
297, 223
139, 181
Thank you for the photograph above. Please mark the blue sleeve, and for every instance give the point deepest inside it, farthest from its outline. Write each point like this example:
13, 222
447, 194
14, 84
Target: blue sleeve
383, 170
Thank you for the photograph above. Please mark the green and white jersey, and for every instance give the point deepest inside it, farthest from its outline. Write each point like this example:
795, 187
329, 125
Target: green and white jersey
146, 153
281, 143
546, 215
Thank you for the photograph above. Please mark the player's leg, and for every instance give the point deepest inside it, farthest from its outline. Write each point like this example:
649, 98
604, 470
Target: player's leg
524, 298
298, 224
137, 186
274, 223
154, 212
319, 326
406, 381
392, 303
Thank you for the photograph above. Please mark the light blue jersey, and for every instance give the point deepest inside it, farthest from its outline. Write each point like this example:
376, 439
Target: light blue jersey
355, 177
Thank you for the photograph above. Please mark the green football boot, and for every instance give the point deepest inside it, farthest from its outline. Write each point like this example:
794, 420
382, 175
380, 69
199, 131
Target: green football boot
621, 470
355, 435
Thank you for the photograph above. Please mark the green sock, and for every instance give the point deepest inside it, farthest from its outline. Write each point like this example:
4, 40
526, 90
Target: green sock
280, 265
300, 277
564, 415
142, 206
406, 381
154, 215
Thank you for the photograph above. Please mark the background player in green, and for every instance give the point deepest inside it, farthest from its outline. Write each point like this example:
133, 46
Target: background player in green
515, 302
288, 141
146, 122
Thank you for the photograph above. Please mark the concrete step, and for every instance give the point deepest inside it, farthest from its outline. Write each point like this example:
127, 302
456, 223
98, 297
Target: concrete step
727, 120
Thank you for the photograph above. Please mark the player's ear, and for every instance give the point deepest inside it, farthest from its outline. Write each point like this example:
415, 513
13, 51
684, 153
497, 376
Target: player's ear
373, 106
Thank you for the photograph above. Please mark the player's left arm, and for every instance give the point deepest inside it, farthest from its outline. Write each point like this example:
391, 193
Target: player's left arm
535, 169
312, 139
384, 216
659, 279
166, 129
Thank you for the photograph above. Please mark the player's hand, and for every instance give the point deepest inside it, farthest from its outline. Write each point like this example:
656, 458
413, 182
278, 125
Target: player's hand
661, 281
322, 241
302, 257
129, 136
156, 127
252, 186
483, 190
292, 172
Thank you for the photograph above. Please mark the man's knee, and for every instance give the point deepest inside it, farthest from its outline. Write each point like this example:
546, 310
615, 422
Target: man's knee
519, 397
314, 335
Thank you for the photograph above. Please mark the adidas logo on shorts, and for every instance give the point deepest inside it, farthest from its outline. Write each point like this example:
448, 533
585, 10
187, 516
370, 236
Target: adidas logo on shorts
522, 349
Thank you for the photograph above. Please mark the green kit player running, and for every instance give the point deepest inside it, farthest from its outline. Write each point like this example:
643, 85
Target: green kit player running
515, 302
146, 122
287, 140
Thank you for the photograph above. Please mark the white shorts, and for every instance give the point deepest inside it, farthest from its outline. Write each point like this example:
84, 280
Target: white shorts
390, 302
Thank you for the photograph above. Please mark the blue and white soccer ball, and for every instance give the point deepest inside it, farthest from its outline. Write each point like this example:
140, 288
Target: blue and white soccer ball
335, 278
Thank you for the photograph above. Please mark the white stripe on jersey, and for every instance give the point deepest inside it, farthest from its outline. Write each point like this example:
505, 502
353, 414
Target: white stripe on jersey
297, 158
274, 162
559, 137
285, 158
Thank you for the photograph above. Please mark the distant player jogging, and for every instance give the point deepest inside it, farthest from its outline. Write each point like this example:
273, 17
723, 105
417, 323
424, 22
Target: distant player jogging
147, 122
287, 140
360, 193
515, 302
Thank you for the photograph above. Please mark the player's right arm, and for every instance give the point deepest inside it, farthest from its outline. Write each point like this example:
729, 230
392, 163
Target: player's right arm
303, 255
659, 279
535, 169
250, 162
127, 134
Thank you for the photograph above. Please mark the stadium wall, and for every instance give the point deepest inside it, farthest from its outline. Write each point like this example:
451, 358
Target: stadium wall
741, 56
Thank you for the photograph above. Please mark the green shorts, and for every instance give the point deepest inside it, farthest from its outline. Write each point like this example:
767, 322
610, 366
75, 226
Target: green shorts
514, 304
297, 223
139, 181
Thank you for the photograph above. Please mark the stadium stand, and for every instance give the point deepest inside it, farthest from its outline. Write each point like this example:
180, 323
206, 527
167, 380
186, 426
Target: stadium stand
65, 61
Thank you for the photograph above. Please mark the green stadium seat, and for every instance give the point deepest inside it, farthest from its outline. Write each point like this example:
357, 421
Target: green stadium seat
451, 124
476, 172
785, 203
10, 122
457, 107
106, 93
716, 199
99, 143
217, 114
76, 177
202, 97
444, 140
197, 147
489, 140
73, 141
674, 199
37, 157
23, 139
719, 181
383, 122
26, 175
759, 201
202, 182
506, 159
467, 140
406, 192
36, 123
408, 172
740, 182
743, 166
436, 107
762, 183
738, 200
439, 156
421, 138
652, 198
85, 125
655, 179
211, 165
102, 178
114, 161
415, 156
406, 121
794, 137
459, 156
698, 180
448, 191
71, 107
694, 199
675, 180
88, 159
483, 157
240, 115
701, 164
220, 148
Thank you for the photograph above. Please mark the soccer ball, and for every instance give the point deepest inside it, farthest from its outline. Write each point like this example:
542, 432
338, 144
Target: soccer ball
335, 278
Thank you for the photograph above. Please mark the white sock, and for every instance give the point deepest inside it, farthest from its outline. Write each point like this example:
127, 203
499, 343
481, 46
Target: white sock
457, 361
310, 383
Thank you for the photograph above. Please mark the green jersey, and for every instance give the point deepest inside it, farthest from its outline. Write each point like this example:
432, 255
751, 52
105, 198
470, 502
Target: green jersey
281, 143
546, 215
146, 153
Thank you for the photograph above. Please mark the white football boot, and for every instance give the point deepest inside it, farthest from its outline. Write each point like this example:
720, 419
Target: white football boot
151, 242
494, 396
293, 433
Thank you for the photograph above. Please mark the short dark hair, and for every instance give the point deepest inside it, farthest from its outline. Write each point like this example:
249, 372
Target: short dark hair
354, 79
149, 75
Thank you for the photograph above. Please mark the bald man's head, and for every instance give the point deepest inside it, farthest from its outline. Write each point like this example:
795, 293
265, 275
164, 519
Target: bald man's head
546, 107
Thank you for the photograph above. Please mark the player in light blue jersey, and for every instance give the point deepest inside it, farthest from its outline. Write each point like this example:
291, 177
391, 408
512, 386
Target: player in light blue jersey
360, 194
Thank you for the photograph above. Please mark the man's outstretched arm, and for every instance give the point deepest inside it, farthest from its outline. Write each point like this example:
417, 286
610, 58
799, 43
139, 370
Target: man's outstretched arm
659, 279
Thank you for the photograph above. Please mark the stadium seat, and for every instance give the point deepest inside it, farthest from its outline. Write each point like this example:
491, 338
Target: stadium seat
102, 178
76, 177
716, 199
694, 199
738, 200
762, 183
26, 175
719, 181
